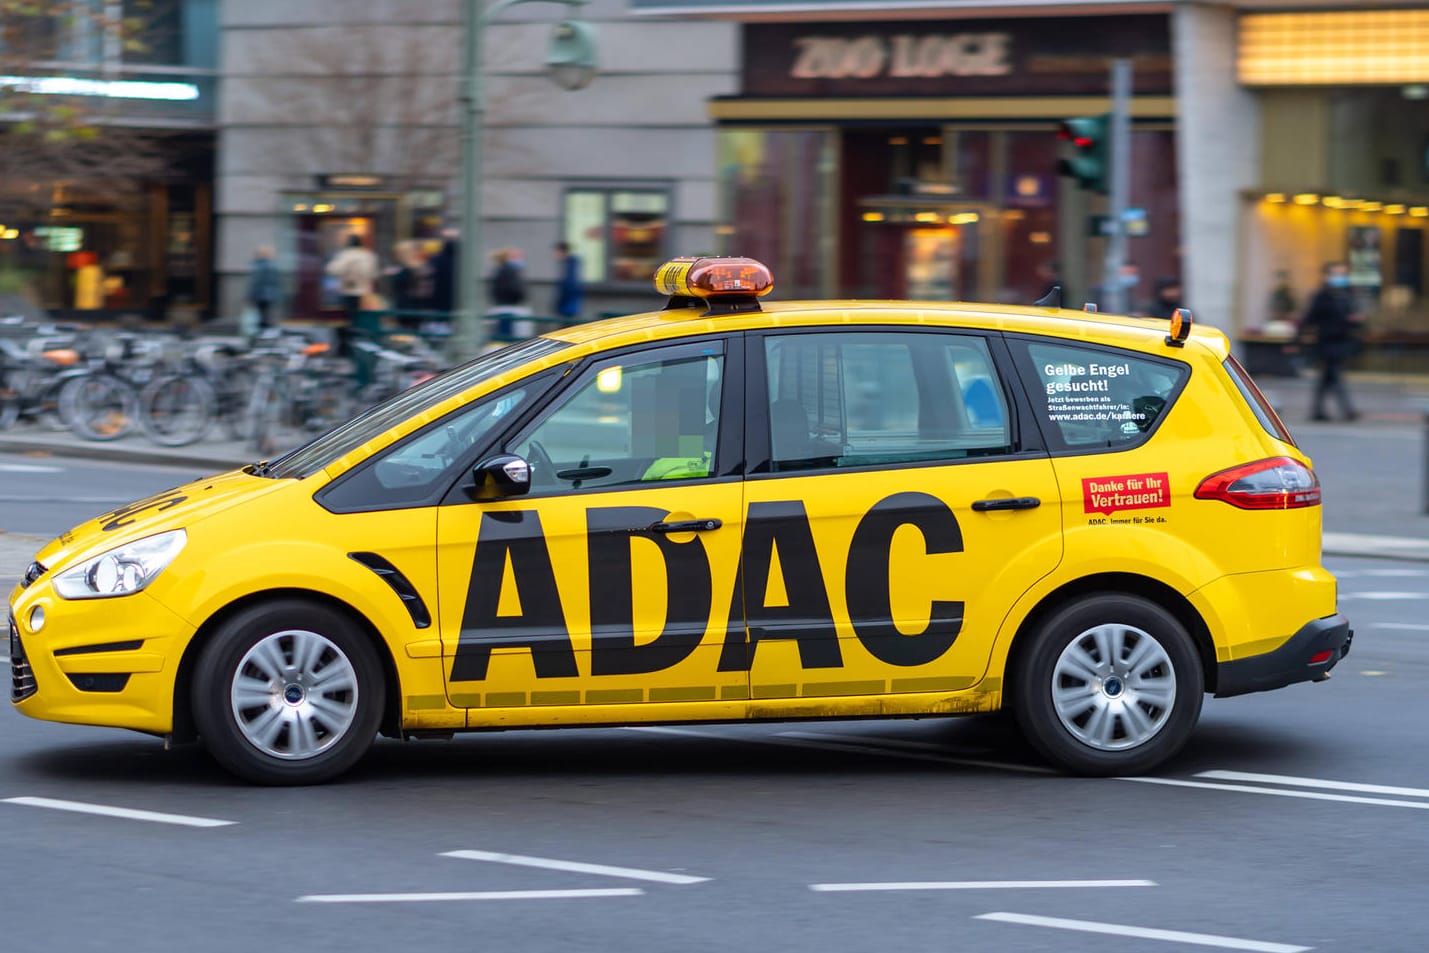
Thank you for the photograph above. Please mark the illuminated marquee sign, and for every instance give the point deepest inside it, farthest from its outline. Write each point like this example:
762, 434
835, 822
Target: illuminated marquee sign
905, 55
1051, 56
1333, 47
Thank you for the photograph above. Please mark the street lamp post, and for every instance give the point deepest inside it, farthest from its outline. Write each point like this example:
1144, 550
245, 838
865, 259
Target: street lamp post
572, 61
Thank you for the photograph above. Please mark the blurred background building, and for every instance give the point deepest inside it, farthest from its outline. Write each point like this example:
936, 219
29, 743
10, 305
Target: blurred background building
882, 148
108, 114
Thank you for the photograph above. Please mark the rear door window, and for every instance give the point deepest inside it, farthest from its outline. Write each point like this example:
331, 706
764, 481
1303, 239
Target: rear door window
1095, 398
841, 399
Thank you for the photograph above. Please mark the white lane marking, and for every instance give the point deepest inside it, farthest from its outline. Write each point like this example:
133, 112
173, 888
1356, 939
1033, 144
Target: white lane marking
1278, 792
1145, 933
882, 742
79, 807
476, 895
1298, 782
978, 885
1360, 573
852, 748
1407, 626
28, 468
631, 873
1384, 596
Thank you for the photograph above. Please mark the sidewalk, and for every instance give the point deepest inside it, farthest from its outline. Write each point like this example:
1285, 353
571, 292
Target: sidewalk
1374, 472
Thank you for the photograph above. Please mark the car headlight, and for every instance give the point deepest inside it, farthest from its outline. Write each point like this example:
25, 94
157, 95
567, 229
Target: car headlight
121, 571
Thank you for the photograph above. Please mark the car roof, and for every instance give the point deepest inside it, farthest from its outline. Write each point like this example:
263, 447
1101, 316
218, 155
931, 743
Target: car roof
1144, 334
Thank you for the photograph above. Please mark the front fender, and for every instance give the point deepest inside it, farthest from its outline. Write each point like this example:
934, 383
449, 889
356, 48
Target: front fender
261, 566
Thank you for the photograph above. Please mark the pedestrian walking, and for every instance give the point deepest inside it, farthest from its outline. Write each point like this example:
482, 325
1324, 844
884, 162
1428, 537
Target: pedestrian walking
1336, 324
444, 272
569, 291
508, 283
265, 287
412, 283
507, 294
355, 268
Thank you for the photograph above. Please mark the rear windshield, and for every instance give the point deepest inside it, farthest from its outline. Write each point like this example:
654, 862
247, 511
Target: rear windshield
1259, 406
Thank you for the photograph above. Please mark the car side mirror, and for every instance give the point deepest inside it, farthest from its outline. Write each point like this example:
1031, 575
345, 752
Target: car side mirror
501, 476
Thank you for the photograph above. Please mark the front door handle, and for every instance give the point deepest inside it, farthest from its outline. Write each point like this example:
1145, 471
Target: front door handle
1008, 503
686, 526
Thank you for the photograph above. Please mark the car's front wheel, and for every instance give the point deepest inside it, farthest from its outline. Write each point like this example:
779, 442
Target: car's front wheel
1110, 684
288, 692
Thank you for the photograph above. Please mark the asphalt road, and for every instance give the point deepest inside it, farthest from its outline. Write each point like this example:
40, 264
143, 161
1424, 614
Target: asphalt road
1295, 820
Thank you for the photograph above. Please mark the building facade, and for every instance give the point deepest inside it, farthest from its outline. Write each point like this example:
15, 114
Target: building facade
896, 148
107, 119
905, 148
342, 118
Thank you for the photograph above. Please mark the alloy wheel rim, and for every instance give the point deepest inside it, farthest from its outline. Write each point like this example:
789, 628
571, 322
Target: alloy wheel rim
294, 694
1113, 687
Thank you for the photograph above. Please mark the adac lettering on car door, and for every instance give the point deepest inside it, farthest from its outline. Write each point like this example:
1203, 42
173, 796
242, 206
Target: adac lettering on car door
602, 586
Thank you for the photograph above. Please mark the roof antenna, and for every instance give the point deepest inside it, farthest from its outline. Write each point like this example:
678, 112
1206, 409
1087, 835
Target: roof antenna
1052, 299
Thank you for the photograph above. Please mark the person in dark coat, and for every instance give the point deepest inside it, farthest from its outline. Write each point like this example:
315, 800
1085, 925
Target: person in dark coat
265, 287
411, 283
568, 283
508, 283
1335, 323
444, 272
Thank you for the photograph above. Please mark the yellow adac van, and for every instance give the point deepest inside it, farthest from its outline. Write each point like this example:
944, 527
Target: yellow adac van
720, 511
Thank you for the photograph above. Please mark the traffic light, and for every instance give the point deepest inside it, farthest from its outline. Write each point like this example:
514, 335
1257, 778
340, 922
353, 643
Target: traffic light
1090, 162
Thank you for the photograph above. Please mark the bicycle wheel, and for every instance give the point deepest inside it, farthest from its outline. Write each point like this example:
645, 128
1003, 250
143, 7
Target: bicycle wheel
99, 406
265, 407
176, 410
233, 389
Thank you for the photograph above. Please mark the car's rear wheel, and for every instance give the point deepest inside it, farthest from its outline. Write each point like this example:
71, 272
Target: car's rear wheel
288, 692
1110, 684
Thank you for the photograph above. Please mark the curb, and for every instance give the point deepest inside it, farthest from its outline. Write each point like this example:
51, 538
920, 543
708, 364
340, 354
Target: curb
1376, 547
122, 454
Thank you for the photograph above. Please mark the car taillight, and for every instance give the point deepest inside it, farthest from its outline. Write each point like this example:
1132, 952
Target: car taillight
1279, 483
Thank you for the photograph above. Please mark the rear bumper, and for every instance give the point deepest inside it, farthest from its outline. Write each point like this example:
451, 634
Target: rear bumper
1291, 662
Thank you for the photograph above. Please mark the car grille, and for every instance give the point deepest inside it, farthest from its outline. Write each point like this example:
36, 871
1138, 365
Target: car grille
34, 572
22, 678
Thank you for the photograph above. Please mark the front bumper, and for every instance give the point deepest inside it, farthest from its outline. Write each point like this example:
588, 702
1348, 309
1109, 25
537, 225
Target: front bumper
108, 662
1306, 656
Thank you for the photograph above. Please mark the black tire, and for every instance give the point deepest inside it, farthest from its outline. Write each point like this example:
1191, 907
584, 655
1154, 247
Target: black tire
176, 410
276, 656
1110, 684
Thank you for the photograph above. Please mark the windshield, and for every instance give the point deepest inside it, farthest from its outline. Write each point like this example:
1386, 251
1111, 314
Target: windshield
321, 451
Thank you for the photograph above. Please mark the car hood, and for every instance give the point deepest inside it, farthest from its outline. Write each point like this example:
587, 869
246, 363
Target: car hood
181, 507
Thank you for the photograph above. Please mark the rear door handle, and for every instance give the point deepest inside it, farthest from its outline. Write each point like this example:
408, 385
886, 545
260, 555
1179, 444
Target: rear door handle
1008, 503
686, 526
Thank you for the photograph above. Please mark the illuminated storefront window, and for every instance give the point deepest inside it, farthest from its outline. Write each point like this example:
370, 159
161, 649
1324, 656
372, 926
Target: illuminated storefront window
620, 233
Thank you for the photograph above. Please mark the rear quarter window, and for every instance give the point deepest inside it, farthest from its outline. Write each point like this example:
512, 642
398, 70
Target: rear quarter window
1257, 402
1097, 398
